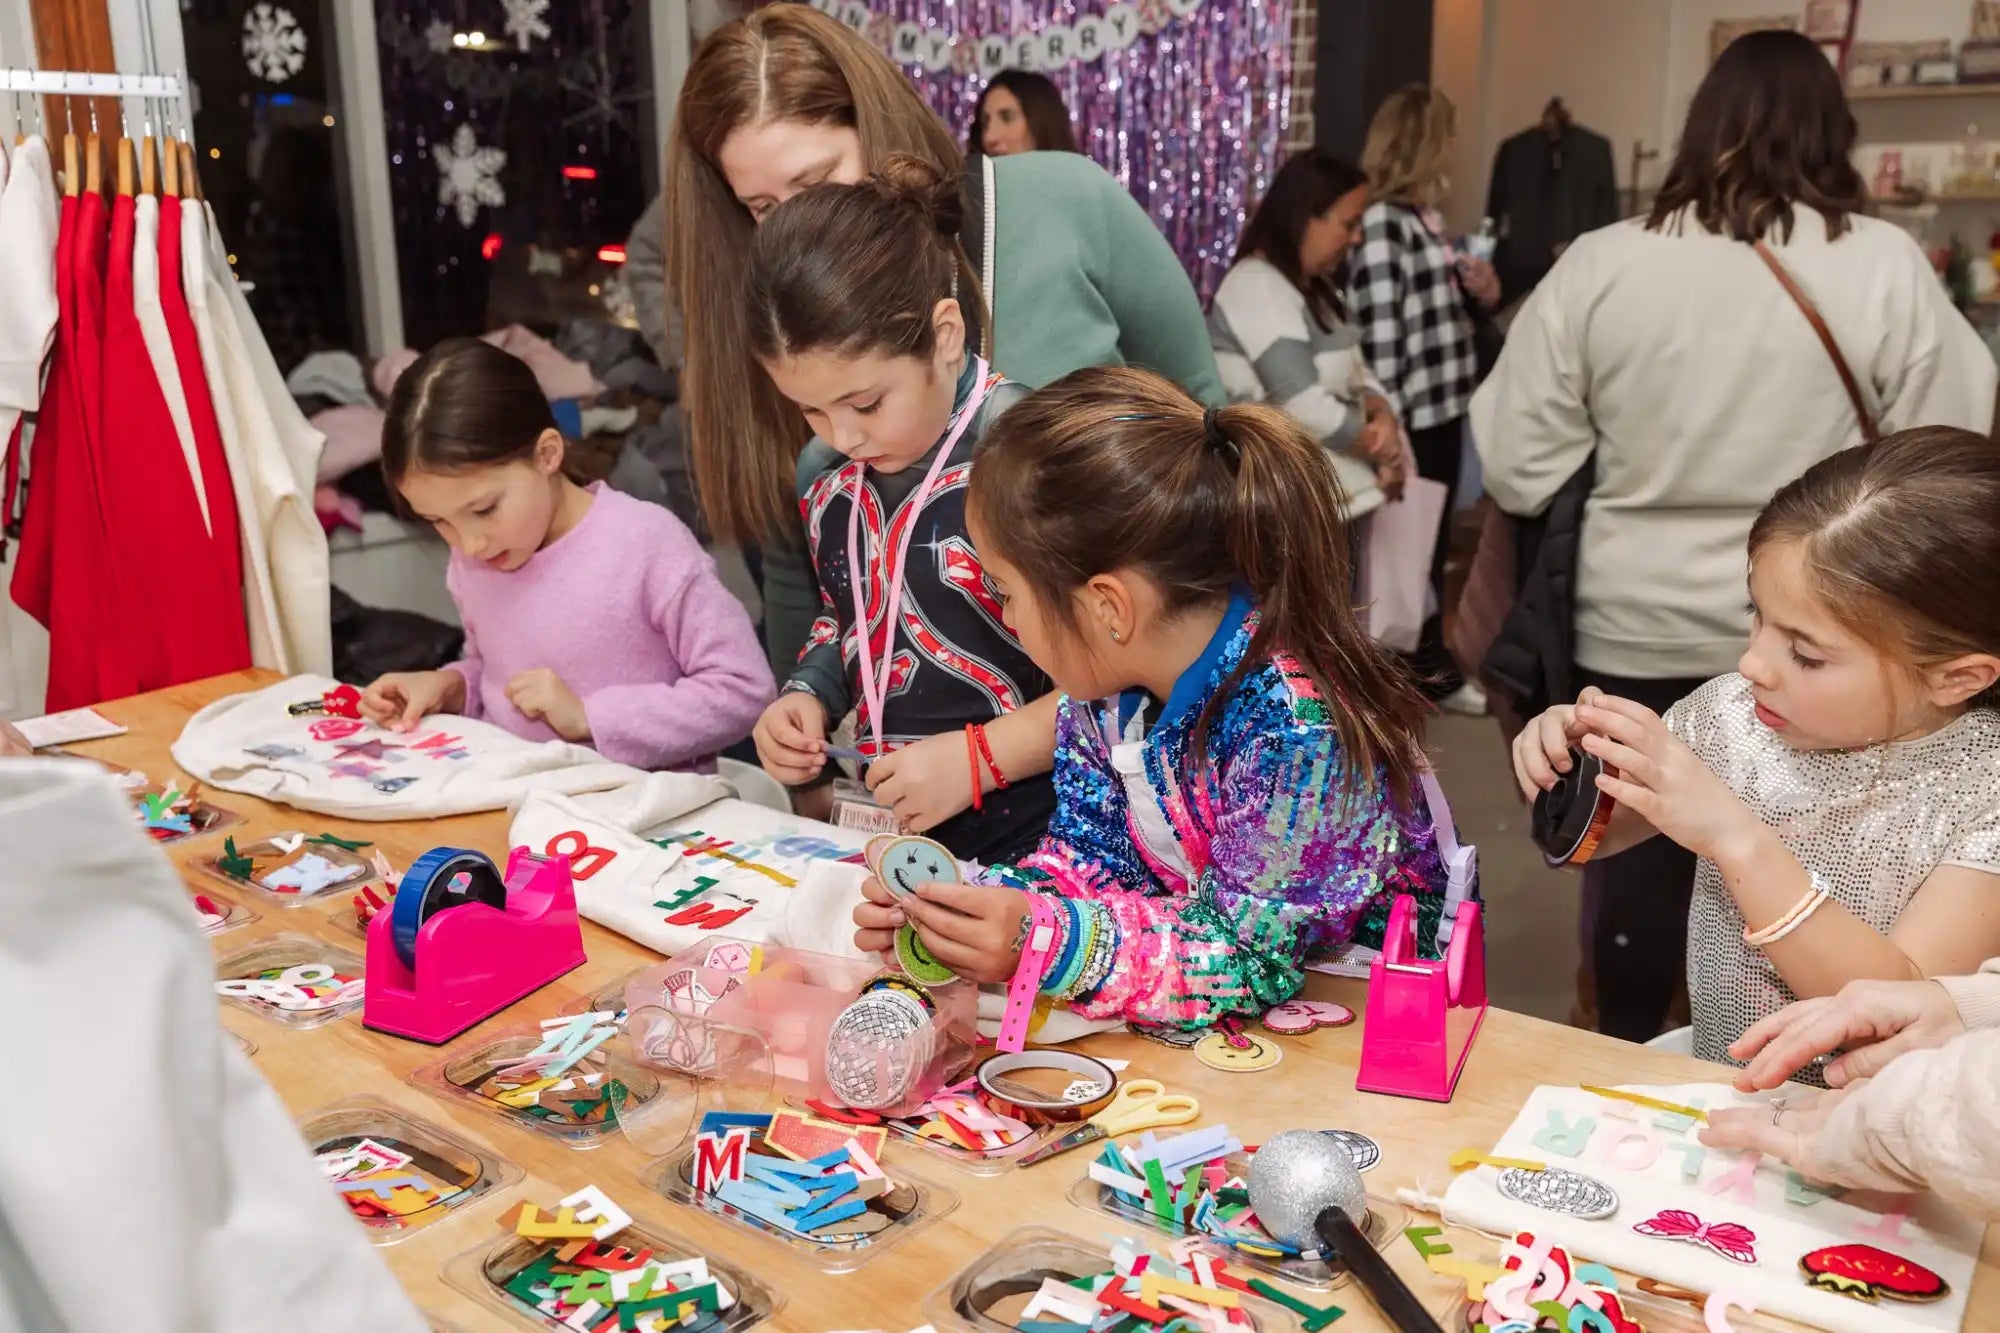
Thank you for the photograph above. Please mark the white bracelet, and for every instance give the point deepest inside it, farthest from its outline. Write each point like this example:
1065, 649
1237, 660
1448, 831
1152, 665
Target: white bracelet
1791, 920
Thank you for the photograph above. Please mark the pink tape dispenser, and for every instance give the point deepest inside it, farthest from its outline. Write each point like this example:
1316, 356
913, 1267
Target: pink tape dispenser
460, 943
1423, 1016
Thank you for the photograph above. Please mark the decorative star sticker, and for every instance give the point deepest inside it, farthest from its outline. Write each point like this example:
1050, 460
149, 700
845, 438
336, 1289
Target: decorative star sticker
369, 749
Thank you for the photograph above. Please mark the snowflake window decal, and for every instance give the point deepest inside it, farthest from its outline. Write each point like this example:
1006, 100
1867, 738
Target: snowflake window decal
526, 21
469, 174
274, 46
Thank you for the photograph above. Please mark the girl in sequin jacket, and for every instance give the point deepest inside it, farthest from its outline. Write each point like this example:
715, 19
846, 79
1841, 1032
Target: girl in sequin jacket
1238, 767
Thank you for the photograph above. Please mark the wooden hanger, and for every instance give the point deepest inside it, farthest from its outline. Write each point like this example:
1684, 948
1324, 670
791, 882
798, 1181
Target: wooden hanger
190, 178
93, 164
125, 172
149, 173
170, 164
72, 179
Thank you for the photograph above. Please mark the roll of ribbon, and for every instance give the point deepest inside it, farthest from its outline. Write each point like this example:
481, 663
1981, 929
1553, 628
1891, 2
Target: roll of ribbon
999, 1079
1570, 817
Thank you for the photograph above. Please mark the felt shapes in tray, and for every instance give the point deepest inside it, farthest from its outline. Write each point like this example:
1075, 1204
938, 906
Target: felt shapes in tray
216, 914
814, 1184
291, 868
1716, 1221
958, 1124
169, 813
637, 1279
1039, 1280
293, 980
560, 1079
395, 1172
1194, 1184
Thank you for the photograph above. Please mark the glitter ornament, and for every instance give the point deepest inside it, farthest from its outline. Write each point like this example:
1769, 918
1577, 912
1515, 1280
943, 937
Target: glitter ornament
1297, 1174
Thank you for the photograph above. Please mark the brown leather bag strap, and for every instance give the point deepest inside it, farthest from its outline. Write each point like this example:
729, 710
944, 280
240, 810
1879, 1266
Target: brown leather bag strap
1869, 430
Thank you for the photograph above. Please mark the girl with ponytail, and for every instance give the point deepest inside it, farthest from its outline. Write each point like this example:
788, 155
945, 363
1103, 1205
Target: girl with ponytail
1239, 770
859, 302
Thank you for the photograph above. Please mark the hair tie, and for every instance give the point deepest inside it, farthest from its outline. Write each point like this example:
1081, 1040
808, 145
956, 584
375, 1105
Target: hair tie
1216, 438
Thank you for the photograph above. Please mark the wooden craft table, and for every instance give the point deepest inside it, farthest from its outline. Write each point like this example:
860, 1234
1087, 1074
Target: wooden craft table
1312, 1088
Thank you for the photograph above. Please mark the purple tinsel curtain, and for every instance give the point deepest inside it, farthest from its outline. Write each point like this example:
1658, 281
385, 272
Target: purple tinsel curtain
1191, 117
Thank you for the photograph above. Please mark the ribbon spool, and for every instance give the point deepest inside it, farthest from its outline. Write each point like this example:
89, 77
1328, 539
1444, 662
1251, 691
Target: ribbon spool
1011, 1097
443, 877
1570, 817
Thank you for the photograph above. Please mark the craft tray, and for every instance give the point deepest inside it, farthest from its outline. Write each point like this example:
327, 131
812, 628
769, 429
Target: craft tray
995, 1163
270, 859
459, 1171
231, 914
1385, 1222
243, 1044
136, 786
282, 951
483, 1274
910, 1207
465, 1073
1020, 1260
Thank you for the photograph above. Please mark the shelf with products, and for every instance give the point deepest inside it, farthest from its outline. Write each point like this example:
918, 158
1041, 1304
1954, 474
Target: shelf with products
1912, 92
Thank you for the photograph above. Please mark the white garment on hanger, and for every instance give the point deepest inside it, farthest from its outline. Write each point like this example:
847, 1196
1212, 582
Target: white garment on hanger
28, 225
204, 1211
286, 581
260, 608
159, 342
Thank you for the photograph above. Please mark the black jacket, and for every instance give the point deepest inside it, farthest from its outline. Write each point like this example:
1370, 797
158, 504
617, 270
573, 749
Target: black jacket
1546, 192
1533, 657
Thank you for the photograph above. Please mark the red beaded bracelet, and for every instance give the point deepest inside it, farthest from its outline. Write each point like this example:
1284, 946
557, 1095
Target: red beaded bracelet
986, 752
972, 762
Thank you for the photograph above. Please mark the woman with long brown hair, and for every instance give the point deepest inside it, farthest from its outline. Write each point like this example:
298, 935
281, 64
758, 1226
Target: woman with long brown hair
1073, 271
1667, 355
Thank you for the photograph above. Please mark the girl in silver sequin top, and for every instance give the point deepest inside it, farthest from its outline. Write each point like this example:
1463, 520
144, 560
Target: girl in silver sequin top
1843, 788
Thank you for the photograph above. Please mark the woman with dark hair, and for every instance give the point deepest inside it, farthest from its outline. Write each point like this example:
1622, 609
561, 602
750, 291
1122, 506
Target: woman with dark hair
1280, 331
1021, 112
1672, 356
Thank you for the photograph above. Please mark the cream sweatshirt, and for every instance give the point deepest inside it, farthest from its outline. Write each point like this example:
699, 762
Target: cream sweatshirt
1676, 361
1931, 1120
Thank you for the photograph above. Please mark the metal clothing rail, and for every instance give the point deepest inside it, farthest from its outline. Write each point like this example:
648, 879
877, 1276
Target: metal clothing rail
78, 83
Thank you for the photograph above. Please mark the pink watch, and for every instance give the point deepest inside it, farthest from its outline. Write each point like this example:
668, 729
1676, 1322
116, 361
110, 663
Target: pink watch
1027, 982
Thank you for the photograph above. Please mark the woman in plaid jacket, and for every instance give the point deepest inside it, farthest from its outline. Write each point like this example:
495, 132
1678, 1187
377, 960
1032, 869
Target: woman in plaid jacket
1411, 296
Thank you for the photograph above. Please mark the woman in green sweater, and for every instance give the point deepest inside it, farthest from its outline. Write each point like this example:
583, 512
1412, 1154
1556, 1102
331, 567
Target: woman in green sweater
1074, 272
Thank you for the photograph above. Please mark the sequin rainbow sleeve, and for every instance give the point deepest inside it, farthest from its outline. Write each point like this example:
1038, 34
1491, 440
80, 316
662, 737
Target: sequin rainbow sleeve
1289, 868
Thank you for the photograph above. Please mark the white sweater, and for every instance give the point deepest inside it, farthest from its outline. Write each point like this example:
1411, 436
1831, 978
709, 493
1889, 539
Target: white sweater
1677, 359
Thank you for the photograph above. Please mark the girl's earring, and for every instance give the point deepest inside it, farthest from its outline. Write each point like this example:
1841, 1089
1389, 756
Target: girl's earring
1116, 637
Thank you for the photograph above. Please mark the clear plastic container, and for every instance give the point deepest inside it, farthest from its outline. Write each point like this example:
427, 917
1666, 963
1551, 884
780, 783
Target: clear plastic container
202, 817
609, 997
910, 1205
477, 1074
279, 954
292, 875
243, 1044
988, 1294
454, 1168
484, 1275
221, 914
1385, 1221
974, 1162
1654, 1314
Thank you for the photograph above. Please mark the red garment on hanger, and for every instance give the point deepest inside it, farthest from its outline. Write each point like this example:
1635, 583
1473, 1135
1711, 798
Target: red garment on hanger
223, 520
31, 585
174, 591
99, 646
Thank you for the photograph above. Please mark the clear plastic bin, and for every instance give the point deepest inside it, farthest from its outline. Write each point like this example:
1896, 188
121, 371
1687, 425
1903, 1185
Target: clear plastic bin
454, 1168
1385, 1222
293, 875
607, 1086
493, 1276
910, 1206
987, 1295
279, 954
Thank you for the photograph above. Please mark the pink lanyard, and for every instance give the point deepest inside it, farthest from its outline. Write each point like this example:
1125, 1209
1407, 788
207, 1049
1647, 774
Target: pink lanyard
874, 687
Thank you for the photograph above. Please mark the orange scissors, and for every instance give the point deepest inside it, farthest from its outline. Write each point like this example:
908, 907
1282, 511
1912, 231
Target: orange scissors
1142, 1103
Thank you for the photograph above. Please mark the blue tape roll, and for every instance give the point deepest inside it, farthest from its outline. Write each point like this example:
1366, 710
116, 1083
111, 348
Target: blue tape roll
426, 890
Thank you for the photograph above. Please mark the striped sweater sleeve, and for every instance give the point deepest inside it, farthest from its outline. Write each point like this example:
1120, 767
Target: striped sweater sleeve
1263, 335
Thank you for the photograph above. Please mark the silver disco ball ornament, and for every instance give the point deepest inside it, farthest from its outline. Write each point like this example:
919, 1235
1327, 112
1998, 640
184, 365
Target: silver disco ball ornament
1297, 1174
876, 1049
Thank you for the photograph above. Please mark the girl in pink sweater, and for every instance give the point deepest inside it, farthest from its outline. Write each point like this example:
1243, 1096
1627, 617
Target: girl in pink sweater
588, 615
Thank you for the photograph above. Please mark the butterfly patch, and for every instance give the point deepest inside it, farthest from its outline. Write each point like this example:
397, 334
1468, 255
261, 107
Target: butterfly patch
1728, 1239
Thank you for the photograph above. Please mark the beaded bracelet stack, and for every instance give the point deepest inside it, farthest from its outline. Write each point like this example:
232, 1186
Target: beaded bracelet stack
1086, 945
1791, 920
